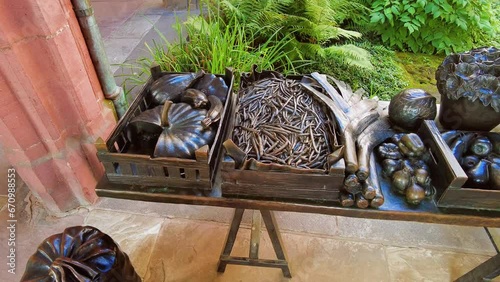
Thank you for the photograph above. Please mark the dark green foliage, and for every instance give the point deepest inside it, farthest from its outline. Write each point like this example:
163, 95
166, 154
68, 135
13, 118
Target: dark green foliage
384, 80
314, 25
434, 26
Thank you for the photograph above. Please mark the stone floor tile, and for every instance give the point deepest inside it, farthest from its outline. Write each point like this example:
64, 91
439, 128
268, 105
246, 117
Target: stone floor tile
114, 12
186, 251
495, 234
135, 234
151, 7
217, 214
118, 50
135, 27
106, 31
308, 223
412, 264
413, 234
184, 245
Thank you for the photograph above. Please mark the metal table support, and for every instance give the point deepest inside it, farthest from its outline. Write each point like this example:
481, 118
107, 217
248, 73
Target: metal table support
487, 270
253, 258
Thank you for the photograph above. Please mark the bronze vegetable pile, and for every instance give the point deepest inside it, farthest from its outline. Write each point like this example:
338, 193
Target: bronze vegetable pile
278, 122
181, 117
403, 164
478, 154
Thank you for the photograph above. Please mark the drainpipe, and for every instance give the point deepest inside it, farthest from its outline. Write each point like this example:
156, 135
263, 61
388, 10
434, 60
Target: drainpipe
85, 14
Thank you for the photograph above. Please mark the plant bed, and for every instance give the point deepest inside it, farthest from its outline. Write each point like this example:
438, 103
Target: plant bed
258, 177
124, 164
450, 178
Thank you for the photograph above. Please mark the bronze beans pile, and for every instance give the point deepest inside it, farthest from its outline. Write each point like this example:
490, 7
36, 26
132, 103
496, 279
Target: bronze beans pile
278, 122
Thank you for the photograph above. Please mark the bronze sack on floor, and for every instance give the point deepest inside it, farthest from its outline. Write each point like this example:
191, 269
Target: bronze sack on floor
80, 253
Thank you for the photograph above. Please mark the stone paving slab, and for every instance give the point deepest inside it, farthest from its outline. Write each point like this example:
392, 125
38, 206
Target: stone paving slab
183, 246
136, 27
135, 234
414, 234
411, 264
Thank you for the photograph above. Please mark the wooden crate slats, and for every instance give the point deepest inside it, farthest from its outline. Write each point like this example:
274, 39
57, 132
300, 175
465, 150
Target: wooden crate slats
338, 168
260, 191
109, 167
201, 155
192, 174
453, 176
174, 172
227, 114
204, 174
470, 198
142, 169
157, 171
144, 105
300, 181
120, 127
144, 159
159, 181
125, 168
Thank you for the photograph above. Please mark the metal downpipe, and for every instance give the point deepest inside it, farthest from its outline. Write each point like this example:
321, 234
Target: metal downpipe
85, 14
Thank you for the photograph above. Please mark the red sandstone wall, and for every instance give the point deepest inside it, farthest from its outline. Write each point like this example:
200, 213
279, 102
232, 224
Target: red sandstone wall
51, 103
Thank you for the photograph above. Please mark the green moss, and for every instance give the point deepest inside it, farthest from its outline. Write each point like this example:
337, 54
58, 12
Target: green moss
385, 79
419, 70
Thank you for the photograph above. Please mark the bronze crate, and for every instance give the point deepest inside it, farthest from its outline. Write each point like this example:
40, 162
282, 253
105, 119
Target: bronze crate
449, 178
277, 184
123, 167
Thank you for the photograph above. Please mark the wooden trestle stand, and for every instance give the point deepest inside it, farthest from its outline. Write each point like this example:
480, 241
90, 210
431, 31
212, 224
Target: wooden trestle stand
253, 258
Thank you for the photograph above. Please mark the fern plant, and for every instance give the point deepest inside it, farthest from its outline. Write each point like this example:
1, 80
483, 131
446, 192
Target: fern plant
313, 25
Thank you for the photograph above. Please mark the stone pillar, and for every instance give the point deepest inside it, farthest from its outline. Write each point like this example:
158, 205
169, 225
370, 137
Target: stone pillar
51, 104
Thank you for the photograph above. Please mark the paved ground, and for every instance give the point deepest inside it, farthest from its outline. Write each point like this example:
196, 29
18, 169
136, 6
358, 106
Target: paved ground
182, 243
